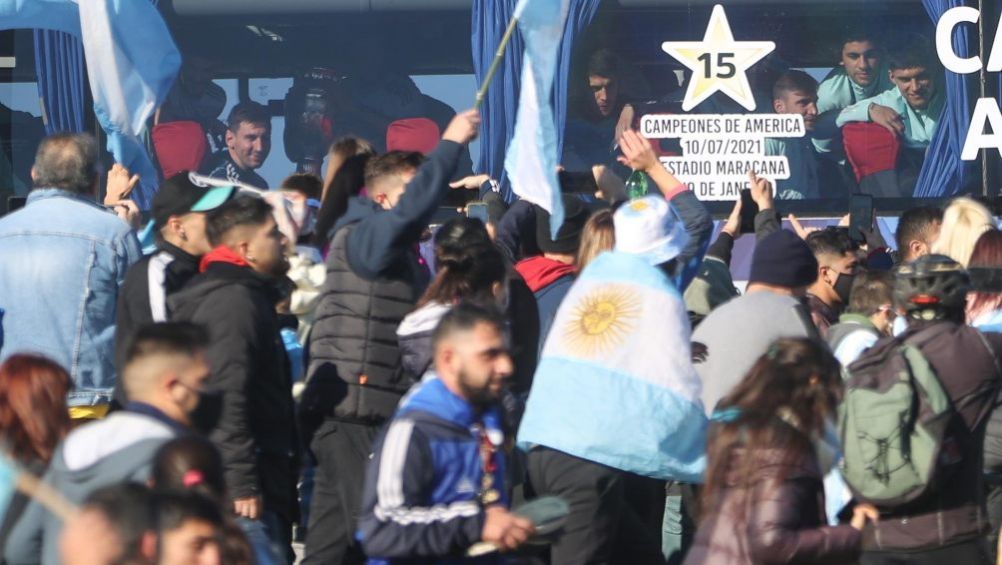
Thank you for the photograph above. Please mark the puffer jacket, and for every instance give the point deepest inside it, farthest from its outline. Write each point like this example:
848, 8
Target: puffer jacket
777, 516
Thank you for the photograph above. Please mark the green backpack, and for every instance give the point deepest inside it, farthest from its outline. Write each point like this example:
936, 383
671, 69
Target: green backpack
892, 422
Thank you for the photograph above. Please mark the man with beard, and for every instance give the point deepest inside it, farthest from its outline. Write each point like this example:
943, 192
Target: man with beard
248, 142
435, 485
795, 92
234, 298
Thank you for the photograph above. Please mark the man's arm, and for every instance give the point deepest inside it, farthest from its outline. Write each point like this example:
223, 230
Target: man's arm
881, 109
375, 242
639, 155
397, 520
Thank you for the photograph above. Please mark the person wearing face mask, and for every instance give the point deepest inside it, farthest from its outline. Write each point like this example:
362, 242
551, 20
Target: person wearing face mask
870, 315
762, 497
234, 297
837, 263
178, 226
165, 375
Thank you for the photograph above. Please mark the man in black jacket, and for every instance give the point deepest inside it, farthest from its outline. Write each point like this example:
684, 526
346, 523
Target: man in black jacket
374, 278
179, 210
234, 297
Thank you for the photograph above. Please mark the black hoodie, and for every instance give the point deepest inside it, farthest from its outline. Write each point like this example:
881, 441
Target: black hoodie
256, 431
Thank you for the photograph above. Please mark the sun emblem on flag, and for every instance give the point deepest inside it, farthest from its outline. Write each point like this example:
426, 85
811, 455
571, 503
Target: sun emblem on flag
602, 319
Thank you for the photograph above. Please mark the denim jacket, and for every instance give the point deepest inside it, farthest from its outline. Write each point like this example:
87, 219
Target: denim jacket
62, 260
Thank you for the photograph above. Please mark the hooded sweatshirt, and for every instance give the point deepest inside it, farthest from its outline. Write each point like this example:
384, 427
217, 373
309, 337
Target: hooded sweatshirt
118, 449
414, 337
549, 282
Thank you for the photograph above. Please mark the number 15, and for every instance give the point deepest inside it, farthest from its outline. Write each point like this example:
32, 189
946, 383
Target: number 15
725, 68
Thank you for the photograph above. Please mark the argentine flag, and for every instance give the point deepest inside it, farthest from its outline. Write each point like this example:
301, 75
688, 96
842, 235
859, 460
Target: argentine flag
531, 160
615, 383
131, 64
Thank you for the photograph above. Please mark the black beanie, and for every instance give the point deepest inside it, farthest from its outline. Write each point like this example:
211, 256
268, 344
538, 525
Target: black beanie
783, 259
568, 239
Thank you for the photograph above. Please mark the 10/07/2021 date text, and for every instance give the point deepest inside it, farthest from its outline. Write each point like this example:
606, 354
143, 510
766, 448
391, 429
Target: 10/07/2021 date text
723, 146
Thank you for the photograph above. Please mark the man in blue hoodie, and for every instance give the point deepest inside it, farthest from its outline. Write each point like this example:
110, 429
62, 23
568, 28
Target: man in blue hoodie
374, 278
435, 486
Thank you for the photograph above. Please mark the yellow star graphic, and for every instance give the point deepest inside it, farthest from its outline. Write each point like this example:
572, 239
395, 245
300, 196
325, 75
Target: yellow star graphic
718, 62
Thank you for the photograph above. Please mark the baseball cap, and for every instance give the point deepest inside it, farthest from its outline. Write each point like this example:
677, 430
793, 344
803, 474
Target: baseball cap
182, 194
649, 227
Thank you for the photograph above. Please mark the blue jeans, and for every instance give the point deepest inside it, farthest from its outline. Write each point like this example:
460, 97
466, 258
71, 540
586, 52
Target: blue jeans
266, 540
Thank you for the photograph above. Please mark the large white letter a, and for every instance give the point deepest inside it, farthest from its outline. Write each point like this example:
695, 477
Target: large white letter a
986, 110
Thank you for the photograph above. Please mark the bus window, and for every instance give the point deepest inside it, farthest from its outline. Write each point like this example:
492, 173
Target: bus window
826, 102
21, 116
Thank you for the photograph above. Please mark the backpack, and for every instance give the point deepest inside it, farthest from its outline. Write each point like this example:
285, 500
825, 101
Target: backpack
892, 422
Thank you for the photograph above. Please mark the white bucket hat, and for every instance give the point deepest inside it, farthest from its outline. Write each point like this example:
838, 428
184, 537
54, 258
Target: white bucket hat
651, 228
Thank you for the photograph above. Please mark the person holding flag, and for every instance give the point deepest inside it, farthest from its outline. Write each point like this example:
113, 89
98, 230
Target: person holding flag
620, 348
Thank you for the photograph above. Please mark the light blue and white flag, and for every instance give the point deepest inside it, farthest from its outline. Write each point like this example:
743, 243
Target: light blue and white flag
615, 383
531, 161
131, 63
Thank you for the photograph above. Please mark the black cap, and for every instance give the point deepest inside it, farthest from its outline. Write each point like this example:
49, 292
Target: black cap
576, 215
783, 259
182, 194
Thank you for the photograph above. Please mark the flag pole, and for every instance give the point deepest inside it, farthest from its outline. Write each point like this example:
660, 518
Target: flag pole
498, 57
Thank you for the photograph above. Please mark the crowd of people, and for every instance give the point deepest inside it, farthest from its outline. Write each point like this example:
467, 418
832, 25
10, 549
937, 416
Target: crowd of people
328, 363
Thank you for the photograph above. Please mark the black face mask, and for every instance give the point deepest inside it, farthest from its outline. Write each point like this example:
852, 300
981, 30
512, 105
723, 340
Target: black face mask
843, 287
205, 416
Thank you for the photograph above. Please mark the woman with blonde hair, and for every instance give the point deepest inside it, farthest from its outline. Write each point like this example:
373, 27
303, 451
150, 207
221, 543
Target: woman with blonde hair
964, 221
599, 236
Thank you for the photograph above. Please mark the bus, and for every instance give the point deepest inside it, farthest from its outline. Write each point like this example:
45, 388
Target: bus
371, 61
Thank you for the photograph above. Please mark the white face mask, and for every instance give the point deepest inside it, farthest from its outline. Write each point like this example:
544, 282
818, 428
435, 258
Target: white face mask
899, 326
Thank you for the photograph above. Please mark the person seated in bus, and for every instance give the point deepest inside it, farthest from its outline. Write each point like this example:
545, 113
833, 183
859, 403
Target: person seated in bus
248, 142
195, 97
590, 135
796, 92
911, 111
860, 74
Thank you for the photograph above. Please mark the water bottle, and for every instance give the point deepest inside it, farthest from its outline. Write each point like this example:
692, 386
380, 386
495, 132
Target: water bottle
636, 185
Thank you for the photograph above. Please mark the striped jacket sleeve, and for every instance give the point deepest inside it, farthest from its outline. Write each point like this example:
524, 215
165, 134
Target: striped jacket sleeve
399, 516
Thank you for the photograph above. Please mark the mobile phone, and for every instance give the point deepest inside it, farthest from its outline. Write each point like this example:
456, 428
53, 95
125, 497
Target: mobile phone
749, 209
860, 216
16, 203
477, 210
576, 182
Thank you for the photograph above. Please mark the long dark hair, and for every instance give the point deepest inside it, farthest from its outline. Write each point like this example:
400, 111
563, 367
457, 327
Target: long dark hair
797, 377
348, 181
468, 264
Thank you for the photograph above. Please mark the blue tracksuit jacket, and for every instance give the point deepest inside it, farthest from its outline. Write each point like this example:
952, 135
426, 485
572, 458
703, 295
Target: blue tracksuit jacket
420, 502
